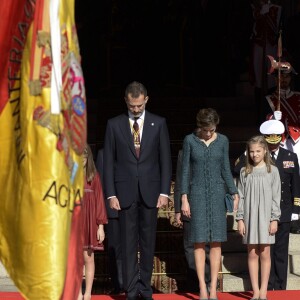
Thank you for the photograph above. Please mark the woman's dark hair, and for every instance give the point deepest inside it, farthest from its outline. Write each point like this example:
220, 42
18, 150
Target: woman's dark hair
207, 117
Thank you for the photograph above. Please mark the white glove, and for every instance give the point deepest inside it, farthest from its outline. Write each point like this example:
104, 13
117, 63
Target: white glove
295, 217
277, 115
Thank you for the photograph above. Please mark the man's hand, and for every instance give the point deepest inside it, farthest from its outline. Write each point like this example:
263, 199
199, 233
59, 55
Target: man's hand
162, 201
114, 203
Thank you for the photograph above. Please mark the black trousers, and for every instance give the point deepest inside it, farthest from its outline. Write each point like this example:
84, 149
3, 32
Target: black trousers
192, 278
114, 253
138, 232
279, 258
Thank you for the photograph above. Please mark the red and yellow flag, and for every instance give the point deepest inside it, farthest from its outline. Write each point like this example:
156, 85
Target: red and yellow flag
43, 134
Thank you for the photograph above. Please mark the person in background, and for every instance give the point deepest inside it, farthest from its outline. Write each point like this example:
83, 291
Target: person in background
137, 180
206, 176
192, 279
258, 211
266, 27
289, 102
289, 115
287, 164
113, 238
94, 218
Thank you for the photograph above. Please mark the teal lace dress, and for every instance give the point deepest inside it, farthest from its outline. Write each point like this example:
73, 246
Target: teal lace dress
206, 177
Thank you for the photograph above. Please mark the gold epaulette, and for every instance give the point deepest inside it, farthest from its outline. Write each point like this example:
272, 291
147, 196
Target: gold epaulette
297, 201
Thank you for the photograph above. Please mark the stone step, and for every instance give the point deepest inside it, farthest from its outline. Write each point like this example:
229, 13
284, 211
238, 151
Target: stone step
236, 283
294, 243
241, 282
7, 285
235, 263
294, 263
233, 243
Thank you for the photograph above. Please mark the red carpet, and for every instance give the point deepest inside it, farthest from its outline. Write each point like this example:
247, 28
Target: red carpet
273, 295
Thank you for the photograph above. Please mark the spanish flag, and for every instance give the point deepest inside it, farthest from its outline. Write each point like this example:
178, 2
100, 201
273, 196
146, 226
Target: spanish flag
43, 134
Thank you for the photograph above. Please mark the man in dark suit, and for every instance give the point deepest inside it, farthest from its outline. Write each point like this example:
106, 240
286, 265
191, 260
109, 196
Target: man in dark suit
192, 278
288, 167
113, 238
137, 182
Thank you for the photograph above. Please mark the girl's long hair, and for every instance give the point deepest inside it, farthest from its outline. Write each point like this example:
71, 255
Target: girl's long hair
90, 168
260, 140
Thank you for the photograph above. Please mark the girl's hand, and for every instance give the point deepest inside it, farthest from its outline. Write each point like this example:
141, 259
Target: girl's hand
100, 234
241, 227
185, 206
273, 227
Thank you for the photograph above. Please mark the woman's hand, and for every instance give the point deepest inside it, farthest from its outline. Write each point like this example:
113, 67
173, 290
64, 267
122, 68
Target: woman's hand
185, 206
236, 200
178, 218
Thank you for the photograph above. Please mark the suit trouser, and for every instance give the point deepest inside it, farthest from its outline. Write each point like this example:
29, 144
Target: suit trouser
138, 233
279, 258
114, 253
192, 278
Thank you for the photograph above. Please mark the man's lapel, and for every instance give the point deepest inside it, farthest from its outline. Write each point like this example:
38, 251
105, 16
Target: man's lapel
147, 131
126, 131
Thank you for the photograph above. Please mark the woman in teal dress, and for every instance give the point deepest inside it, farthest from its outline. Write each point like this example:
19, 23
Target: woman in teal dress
206, 177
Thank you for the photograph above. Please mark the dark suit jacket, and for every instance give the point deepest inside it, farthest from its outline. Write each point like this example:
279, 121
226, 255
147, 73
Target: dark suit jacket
290, 181
125, 173
111, 213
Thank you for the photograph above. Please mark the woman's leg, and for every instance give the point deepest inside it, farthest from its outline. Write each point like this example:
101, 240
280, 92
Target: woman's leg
215, 259
200, 268
253, 260
89, 273
265, 267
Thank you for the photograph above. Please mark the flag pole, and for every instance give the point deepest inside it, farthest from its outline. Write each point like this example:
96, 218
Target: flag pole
279, 54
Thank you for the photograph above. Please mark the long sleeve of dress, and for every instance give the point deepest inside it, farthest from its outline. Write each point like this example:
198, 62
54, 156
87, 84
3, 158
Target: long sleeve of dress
226, 171
185, 175
276, 191
177, 188
241, 190
100, 209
